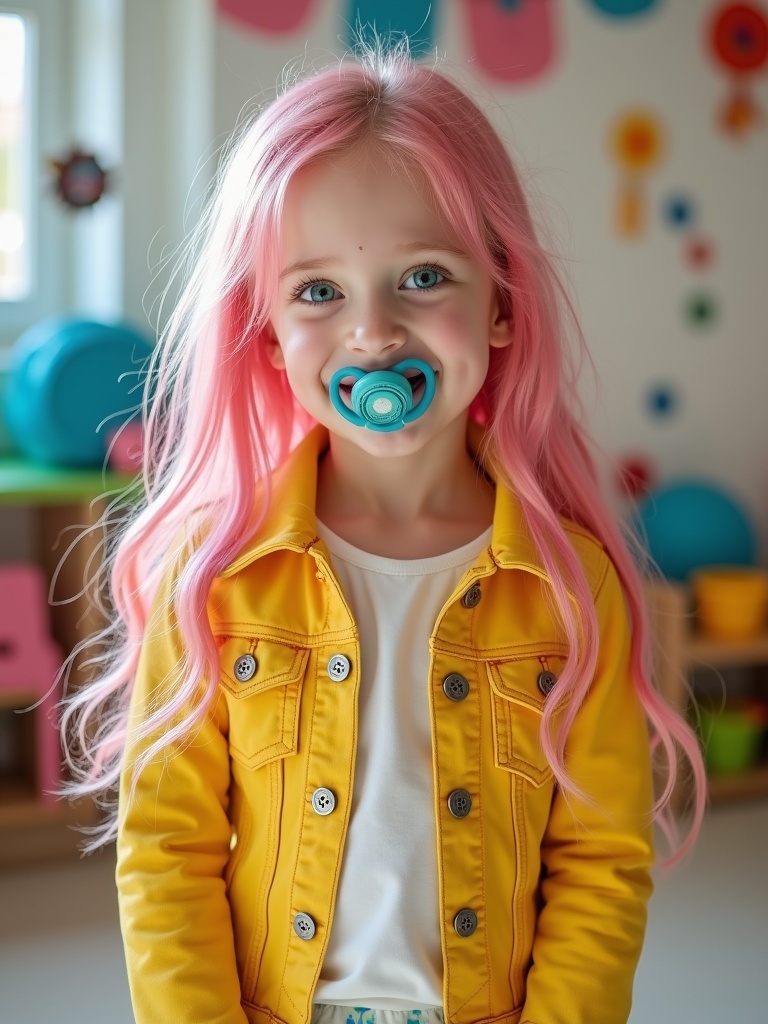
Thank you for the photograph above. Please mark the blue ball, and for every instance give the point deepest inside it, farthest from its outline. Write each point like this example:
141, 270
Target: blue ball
73, 383
688, 524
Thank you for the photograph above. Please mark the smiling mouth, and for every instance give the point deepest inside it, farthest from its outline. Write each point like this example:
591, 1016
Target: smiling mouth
415, 378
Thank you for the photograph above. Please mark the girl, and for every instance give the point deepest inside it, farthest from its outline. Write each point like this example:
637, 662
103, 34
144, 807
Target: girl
381, 713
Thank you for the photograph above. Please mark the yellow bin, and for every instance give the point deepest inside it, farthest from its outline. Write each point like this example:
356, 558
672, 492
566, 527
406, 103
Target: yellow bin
731, 602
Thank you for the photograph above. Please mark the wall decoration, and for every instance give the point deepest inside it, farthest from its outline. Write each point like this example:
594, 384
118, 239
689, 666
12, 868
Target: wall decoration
635, 476
637, 144
662, 400
512, 40
266, 15
701, 310
679, 211
393, 19
80, 180
624, 8
699, 253
738, 41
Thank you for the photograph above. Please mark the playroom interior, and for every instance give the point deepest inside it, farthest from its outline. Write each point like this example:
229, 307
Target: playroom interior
641, 128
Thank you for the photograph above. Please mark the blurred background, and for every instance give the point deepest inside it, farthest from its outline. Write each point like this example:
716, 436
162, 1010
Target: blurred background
639, 129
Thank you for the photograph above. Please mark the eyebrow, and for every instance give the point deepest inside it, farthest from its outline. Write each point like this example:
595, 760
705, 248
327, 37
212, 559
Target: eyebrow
405, 249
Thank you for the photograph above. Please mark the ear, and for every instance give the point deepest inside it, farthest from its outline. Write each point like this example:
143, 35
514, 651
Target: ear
272, 348
501, 325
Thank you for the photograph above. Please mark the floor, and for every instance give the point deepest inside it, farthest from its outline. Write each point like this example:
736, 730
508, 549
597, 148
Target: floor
705, 959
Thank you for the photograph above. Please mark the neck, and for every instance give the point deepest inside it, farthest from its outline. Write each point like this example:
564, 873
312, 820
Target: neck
429, 501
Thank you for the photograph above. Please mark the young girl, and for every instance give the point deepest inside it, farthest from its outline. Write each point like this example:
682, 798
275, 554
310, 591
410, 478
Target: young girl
381, 713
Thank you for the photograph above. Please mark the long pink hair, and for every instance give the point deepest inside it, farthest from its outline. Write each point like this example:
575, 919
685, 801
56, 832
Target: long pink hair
219, 418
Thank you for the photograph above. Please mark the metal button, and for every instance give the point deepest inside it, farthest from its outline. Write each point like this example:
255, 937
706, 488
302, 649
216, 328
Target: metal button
323, 801
245, 668
459, 803
546, 681
472, 597
455, 686
465, 922
338, 667
304, 926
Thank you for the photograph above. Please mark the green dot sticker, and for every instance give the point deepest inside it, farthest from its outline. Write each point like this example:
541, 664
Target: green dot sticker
701, 310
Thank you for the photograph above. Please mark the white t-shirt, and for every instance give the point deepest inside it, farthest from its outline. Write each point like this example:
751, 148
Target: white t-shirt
384, 947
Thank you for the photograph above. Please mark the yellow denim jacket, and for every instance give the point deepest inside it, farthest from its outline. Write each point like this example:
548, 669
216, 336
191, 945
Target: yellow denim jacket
227, 875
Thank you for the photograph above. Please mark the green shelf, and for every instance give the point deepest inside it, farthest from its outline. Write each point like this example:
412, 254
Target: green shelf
29, 483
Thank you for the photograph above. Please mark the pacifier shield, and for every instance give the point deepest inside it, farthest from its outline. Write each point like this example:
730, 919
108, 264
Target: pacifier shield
382, 399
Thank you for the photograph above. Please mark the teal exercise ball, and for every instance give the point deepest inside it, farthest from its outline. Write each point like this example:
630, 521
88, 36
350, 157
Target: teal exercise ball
72, 384
688, 524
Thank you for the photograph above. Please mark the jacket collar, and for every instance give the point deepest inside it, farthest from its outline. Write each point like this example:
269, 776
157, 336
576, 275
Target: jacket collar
291, 524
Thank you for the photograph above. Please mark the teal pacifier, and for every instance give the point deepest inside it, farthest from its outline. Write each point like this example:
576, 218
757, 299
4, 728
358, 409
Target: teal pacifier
383, 399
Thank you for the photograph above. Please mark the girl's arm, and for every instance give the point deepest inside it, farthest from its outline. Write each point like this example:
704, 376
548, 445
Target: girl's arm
172, 847
597, 859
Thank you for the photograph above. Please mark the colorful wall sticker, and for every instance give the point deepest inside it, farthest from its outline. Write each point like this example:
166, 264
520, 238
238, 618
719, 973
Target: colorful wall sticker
701, 310
624, 8
662, 400
512, 40
679, 211
637, 144
699, 253
680, 214
80, 180
267, 15
635, 475
738, 42
391, 20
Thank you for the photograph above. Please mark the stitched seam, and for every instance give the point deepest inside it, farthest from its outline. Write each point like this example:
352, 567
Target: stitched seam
283, 989
350, 775
520, 873
483, 869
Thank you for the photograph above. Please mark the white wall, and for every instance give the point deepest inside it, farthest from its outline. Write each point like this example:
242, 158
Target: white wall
630, 293
156, 86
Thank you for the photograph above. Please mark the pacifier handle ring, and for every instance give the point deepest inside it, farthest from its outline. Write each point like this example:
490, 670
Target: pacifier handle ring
333, 390
430, 385
399, 369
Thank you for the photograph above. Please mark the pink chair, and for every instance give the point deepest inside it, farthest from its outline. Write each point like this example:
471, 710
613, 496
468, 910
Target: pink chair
29, 661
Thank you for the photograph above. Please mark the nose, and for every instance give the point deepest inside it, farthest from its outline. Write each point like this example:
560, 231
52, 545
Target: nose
376, 332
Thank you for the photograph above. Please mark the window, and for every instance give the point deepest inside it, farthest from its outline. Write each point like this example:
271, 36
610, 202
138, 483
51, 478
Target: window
15, 145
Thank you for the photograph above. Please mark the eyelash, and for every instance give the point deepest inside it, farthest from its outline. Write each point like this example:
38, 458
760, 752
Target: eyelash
309, 281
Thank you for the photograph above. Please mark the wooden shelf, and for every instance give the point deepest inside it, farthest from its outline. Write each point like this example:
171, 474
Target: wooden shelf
683, 649
61, 503
31, 483
19, 805
753, 783
702, 650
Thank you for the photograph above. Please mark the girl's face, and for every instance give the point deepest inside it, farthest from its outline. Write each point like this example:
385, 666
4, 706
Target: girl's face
371, 275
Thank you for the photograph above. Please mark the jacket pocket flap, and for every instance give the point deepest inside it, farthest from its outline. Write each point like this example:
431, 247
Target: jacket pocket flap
518, 696
262, 664
527, 680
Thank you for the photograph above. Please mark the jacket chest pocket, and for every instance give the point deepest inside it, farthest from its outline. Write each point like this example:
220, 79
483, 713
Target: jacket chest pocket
519, 690
262, 682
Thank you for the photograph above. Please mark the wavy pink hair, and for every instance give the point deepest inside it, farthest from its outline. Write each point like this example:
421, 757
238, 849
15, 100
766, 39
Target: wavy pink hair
219, 417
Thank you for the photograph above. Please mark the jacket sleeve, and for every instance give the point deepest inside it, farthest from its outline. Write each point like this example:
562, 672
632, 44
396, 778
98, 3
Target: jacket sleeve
597, 859
172, 847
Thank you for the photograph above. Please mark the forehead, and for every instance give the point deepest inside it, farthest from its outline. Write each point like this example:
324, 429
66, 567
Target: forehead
358, 198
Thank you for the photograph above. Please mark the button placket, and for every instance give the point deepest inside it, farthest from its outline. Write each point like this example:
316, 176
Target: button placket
459, 803
338, 668
304, 926
465, 923
323, 801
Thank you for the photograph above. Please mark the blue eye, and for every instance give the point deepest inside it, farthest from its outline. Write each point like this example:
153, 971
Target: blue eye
424, 279
316, 292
